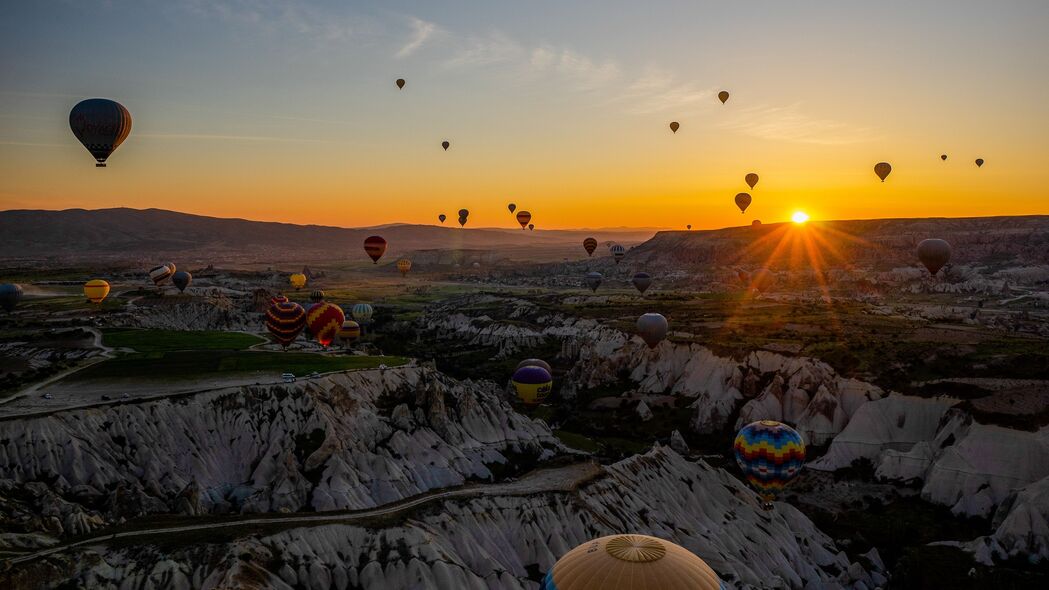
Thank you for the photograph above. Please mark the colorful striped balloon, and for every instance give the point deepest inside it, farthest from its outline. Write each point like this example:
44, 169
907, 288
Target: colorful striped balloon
362, 312
590, 244
771, 454
324, 320
374, 247
350, 332
533, 384
284, 320
159, 274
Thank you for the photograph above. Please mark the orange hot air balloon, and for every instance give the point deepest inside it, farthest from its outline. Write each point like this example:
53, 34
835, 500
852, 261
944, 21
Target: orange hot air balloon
445, 145
723, 97
375, 246
752, 180
882, 169
743, 201
590, 244
523, 217
96, 290
325, 319
404, 265
674, 126
400, 83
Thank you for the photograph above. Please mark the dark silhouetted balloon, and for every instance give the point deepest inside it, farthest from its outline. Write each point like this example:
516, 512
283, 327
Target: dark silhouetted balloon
674, 125
642, 281
590, 244
512, 207
593, 280
10, 295
531, 227
374, 247
882, 169
101, 125
652, 327
934, 253
181, 279
400, 82
755, 223
523, 217
979, 162
751, 179
445, 145
689, 226
442, 217
943, 157
743, 201
723, 97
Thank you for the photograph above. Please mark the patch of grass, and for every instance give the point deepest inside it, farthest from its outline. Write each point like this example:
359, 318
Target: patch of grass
577, 441
170, 340
197, 364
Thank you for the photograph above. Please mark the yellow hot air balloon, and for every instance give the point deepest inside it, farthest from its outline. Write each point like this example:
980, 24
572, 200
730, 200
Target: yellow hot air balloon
298, 280
630, 562
882, 169
96, 290
404, 265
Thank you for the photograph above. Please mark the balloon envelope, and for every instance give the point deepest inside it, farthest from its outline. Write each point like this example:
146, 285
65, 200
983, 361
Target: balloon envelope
723, 96
590, 244
593, 280
285, 320
374, 247
535, 363
770, 453
512, 207
400, 82
934, 253
943, 157
531, 226
639, 562
362, 312
533, 384
523, 217
979, 162
652, 327
445, 145
101, 125
96, 290
674, 126
159, 274
618, 252
316, 296
751, 179
641, 281
297, 280
10, 295
882, 169
325, 319
349, 332
743, 201
404, 265
181, 279
442, 217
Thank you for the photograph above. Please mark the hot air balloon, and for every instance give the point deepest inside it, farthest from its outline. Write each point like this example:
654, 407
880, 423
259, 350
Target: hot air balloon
755, 223
652, 327
535, 363
285, 320
770, 454
159, 274
404, 265
101, 125
934, 254
181, 279
445, 145
979, 162
523, 217
723, 97
630, 562
532, 383
350, 332
743, 201
943, 157
512, 207
10, 295
297, 280
882, 169
374, 246
590, 244
362, 312
593, 280
442, 217
762, 279
316, 296
751, 180
464, 212
325, 319
531, 227
641, 281
96, 290
278, 298
400, 83
171, 266
674, 125
618, 252
688, 227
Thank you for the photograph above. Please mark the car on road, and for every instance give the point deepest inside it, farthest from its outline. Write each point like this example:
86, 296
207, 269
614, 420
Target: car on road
314, 375
48, 396
288, 377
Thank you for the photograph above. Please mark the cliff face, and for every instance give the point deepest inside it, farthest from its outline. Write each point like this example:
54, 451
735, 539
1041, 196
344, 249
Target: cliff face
345, 441
510, 541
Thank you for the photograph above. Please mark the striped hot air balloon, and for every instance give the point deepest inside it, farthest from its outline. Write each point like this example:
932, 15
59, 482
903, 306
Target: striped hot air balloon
404, 265
316, 296
631, 562
523, 217
618, 252
159, 274
590, 244
350, 332
96, 290
771, 454
362, 312
532, 383
278, 298
101, 125
325, 319
374, 247
285, 320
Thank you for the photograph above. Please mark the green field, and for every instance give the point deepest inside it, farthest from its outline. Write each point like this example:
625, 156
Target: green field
170, 340
197, 364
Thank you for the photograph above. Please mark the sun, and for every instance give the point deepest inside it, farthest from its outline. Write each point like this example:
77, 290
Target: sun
799, 217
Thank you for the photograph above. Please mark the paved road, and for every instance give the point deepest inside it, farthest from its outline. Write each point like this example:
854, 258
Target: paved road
553, 479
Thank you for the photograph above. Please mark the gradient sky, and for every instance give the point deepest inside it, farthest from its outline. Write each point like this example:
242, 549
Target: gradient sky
284, 110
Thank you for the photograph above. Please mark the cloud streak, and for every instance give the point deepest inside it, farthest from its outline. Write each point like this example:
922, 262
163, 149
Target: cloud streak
789, 123
422, 31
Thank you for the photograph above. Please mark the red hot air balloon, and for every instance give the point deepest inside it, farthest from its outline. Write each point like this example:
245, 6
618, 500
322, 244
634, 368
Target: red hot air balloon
324, 320
101, 125
375, 246
523, 217
590, 244
285, 320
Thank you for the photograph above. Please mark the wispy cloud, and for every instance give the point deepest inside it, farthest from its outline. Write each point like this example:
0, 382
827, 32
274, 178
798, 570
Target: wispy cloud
583, 71
658, 90
790, 123
422, 31
482, 50
218, 137
280, 16
33, 144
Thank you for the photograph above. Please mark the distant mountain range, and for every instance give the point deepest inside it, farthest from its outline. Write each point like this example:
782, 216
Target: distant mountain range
131, 234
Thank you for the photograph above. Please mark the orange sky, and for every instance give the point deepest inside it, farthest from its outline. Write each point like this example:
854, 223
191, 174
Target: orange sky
296, 118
